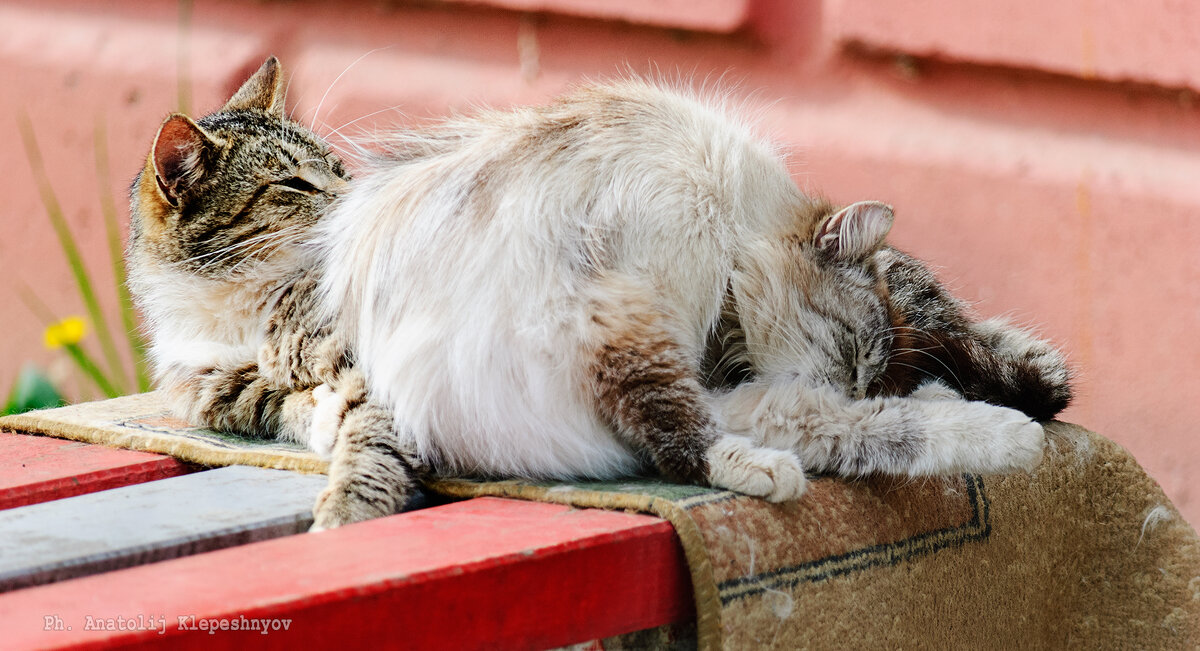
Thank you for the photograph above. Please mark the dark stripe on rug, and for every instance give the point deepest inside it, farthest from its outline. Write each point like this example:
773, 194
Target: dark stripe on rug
977, 528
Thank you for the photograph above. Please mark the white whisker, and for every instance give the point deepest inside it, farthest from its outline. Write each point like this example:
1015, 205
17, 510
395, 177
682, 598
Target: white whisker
317, 112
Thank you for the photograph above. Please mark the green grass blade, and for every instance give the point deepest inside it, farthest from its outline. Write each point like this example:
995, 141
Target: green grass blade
108, 207
85, 363
67, 241
35, 304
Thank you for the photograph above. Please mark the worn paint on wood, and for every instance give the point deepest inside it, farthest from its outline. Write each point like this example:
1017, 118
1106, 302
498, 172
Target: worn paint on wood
484, 574
37, 469
152, 522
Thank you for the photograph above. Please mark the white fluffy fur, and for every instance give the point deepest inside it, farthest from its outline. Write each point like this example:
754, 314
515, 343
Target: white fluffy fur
462, 277
326, 416
472, 327
195, 322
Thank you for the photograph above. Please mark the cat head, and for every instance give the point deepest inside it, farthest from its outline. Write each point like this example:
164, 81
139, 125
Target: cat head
819, 310
225, 196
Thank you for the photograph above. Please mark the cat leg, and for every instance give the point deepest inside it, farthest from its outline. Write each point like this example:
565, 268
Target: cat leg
332, 402
238, 399
373, 470
297, 349
327, 416
932, 435
646, 387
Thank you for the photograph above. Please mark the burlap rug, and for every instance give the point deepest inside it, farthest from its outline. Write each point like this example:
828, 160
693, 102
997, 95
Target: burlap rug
1086, 552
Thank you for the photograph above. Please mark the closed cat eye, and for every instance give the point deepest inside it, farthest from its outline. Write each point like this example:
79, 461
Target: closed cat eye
298, 184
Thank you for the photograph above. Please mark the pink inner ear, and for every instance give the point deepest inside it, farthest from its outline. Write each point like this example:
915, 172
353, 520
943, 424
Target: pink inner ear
828, 231
177, 154
856, 230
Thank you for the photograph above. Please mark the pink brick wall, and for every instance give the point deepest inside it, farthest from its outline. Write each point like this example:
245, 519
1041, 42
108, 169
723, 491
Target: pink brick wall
1046, 155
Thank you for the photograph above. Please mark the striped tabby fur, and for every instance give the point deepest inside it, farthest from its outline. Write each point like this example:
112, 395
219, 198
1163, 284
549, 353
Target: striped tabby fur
217, 261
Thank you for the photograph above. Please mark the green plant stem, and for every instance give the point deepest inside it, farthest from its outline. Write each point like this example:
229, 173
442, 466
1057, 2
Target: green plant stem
67, 241
35, 304
108, 207
89, 367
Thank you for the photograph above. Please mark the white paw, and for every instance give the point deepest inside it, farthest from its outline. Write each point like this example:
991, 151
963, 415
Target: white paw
1012, 441
1027, 441
735, 463
326, 418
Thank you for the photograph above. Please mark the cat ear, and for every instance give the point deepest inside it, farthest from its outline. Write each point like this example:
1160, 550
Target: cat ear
182, 152
856, 231
262, 91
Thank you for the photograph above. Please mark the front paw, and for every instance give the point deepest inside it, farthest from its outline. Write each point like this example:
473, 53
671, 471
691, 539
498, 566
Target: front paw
339, 505
327, 360
737, 464
1022, 444
327, 413
1005, 440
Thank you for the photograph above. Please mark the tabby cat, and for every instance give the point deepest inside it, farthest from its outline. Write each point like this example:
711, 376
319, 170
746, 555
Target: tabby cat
548, 292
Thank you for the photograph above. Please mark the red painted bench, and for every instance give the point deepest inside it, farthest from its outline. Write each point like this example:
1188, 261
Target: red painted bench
485, 573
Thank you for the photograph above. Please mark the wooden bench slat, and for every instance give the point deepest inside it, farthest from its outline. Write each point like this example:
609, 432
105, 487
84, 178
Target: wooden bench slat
151, 522
483, 574
36, 469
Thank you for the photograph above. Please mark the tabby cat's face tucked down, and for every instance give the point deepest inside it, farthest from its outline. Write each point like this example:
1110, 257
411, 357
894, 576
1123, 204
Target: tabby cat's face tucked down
817, 308
220, 196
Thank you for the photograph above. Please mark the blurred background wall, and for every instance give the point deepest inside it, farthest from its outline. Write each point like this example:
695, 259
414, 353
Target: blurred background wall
1045, 155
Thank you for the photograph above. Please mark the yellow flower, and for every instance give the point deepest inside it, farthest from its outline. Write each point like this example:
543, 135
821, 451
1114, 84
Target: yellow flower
65, 333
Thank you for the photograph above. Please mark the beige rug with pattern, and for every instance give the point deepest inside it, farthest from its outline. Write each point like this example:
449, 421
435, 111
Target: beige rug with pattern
1086, 552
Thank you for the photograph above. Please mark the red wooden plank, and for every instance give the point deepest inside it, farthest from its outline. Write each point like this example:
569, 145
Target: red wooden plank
36, 469
483, 574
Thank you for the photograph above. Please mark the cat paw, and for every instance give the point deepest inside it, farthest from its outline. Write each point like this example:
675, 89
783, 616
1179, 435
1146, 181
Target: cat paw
327, 360
326, 419
1026, 444
1011, 441
737, 464
336, 507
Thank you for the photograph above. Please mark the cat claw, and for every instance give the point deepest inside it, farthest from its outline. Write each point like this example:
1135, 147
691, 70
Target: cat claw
737, 464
